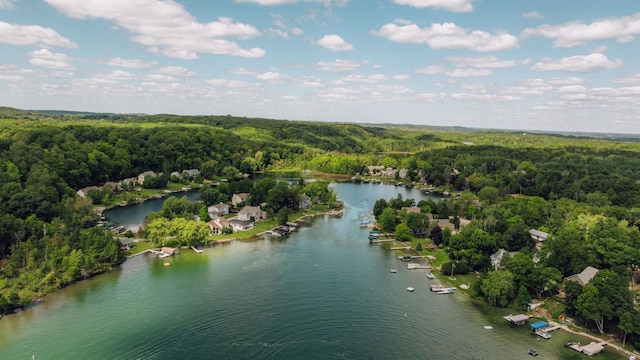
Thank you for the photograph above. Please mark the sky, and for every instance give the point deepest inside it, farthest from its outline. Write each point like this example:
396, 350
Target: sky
562, 65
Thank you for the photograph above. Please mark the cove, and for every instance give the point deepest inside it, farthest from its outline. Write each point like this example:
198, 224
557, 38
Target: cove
321, 293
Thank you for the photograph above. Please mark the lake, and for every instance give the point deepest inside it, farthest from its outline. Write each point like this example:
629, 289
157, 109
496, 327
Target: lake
321, 293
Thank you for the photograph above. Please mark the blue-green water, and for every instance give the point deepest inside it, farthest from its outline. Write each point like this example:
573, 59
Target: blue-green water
321, 293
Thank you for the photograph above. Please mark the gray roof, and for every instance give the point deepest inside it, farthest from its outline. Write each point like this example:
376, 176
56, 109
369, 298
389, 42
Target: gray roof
539, 234
585, 276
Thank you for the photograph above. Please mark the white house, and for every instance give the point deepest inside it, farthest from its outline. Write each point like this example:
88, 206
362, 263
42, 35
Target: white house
218, 210
218, 224
241, 225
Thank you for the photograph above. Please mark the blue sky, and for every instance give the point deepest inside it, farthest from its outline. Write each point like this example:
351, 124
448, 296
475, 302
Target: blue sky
569, 65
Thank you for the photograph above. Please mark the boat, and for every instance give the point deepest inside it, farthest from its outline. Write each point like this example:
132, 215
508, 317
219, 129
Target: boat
488, 327
543, 334
405, 258
445, 291
533, 352
431, 276
410, 289
365, 221
393, 271
436, 287
167, 264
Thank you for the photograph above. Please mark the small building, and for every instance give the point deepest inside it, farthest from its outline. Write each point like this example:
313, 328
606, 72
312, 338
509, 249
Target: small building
539, 325
218, 210
218, 224
176, 175
241, 225
84, 192
538, 236
584, 277
375, 170
305, 202
253, 213
411, 209
190, 173
145, 175
519, 319
125, 244
239, 199
402, 174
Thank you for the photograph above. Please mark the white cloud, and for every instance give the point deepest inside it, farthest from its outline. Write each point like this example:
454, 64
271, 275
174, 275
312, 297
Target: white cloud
533, 15
467, 72
575, 33
629, 80
429, 70
448, 36
334, 43
175, 71
453, 5
482, 96
572, 89
277, 32
165, 27
285, 2
486, 62
14, 34
477, 86
7, 4
159, 77
243, 71
338, 66
270, 76
401, 77
45, 58
370, 79
231, 83
297, 31
119, 75
579, 63
128, 63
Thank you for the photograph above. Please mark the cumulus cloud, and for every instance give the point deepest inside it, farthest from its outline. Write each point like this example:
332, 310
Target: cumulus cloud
338, 66
14, 34
629, 80
285, 2
277, 32
231, 83
429, 70
7, 4
453, 5
242, 71
487, 62
46, 58
175, 71
448, 36
334, 43
623, 29
579, 63
128, 63
401, 77
533, 15
165, 27
370, 79
270, 76
467, 72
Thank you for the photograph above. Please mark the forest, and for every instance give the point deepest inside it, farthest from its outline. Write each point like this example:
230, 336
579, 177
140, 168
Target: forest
583, 190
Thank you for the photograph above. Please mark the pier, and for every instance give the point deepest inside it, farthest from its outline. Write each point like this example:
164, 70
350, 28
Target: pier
197, 250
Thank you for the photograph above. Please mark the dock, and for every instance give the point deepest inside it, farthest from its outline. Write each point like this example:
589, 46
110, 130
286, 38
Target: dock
197, 250
414, 266
381, 241
590, 349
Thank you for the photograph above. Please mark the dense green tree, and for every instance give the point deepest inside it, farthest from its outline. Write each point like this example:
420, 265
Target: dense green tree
402, 232
282, 217
498, 287
418, 222
379, 206
387, 220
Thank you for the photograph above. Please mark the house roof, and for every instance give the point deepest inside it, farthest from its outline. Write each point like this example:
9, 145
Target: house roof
585, 276
241, 222
125, 241
250, 210
539, 234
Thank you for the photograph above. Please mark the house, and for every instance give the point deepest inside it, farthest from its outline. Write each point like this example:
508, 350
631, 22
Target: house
375, 170
190, 173
241, 225
402, 174
238, 199
84, 192
584, 277
144, 175
218, 210
176, 175
496, 258
305, 202
538, 236
217, 225
252, 213
389, 172
125, 244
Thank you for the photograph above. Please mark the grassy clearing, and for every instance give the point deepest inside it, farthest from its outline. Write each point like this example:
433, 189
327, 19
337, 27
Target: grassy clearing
141, 246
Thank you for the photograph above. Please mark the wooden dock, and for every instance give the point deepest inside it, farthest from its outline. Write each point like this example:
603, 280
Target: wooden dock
381, 241
401, 248
197, 250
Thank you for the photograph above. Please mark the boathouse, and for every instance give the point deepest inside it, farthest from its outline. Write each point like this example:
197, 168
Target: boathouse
539, 325
519, 319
